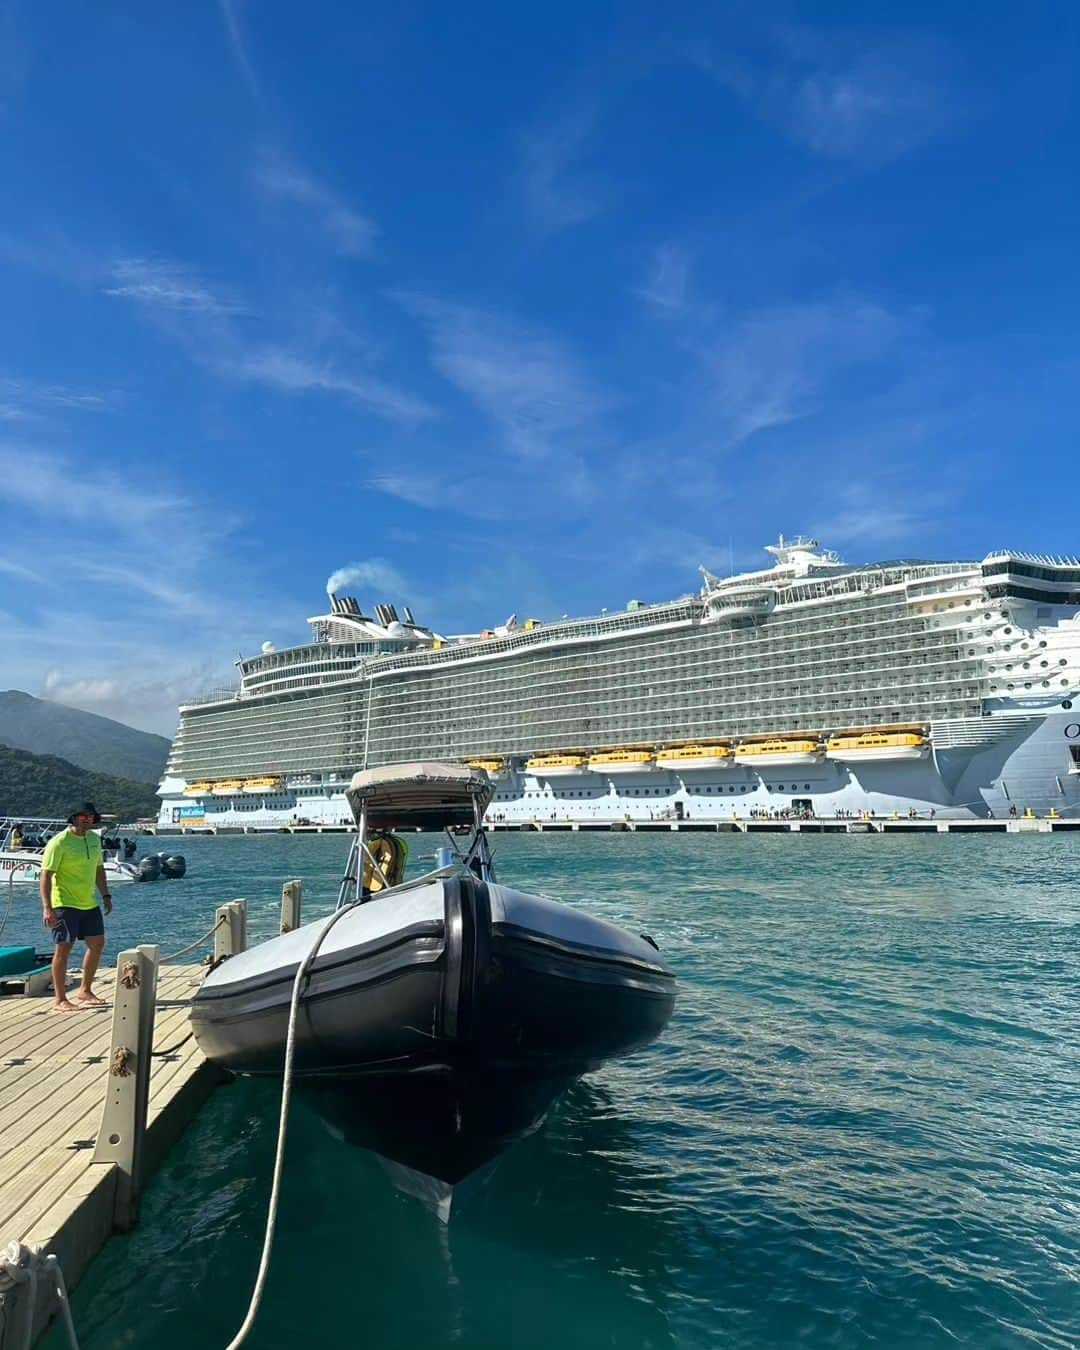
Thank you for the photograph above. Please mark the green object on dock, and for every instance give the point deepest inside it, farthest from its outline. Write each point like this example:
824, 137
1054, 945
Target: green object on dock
16, 960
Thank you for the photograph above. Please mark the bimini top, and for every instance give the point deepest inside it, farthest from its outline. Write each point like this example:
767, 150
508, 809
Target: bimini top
426, 795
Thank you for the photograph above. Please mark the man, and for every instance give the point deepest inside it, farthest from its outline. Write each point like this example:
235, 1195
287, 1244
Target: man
71, 867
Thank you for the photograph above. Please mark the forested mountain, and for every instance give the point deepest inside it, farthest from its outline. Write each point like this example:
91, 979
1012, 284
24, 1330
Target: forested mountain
44, 785
92, 742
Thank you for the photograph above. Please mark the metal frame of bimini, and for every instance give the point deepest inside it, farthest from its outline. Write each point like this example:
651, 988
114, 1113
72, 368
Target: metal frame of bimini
420, 796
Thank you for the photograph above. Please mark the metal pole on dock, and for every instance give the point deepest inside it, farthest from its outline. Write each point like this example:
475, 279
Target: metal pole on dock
123, 1120
290, 906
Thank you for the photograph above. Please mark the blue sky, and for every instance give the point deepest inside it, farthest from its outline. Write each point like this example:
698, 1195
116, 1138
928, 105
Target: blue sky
512, 309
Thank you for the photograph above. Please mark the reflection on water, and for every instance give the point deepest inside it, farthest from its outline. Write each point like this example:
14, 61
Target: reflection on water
860, 1127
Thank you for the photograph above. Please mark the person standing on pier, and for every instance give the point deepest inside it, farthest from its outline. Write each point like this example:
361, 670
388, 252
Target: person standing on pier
71, 868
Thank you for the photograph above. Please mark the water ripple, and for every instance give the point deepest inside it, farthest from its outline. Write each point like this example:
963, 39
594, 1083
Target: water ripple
860, 1129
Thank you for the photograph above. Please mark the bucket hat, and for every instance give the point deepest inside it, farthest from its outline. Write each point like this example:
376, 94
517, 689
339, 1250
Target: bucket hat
87, 809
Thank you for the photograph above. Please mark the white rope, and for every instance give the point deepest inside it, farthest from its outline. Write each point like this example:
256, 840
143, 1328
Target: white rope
286, 1094
10, 903
20, 1264
283, 1122
223, 918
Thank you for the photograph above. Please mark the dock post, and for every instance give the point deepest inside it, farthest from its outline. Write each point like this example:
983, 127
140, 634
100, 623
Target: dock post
230, 935
239, 909
123, 1120
290, 906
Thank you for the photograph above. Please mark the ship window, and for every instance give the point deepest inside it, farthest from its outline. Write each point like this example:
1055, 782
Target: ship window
1063, 662
1007, 630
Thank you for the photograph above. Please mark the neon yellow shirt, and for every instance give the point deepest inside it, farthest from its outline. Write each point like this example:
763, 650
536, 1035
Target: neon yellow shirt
74, 863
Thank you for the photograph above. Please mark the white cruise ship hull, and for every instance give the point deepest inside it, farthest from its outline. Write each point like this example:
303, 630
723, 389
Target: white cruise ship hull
978, 768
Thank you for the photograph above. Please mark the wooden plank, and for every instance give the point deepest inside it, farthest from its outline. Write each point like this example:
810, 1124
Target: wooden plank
53, 1082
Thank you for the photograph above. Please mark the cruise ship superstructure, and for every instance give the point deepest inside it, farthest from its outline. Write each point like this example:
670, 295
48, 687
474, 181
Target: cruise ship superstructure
944, 687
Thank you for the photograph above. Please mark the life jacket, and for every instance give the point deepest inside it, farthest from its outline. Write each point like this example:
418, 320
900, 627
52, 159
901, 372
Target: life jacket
391, 854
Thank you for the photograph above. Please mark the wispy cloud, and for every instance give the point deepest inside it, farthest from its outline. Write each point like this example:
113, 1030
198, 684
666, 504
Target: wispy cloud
557, 191
105, 541
875, 513
207, 324
42, 481
24, 400
771, 367
165, 285
22, 572
666, 288
525, 382
288, 372
347, 230
840, 93
230, 15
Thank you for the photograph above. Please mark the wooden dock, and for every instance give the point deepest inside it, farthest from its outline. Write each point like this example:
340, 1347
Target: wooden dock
54, 1078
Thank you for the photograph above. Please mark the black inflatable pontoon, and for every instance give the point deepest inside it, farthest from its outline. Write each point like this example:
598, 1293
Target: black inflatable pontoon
440, 1018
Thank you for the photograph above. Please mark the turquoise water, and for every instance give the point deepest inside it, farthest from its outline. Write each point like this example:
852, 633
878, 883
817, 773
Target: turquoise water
860, 1129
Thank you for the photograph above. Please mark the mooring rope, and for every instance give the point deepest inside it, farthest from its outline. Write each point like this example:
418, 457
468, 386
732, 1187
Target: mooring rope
222, 918
10, 904
171, 1049
283, 1123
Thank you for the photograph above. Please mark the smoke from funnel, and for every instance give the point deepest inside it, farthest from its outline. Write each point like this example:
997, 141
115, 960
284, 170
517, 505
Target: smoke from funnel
375, 575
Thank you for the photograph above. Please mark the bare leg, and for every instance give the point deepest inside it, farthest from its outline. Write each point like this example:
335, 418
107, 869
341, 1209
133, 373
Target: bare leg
61, 956
85, 993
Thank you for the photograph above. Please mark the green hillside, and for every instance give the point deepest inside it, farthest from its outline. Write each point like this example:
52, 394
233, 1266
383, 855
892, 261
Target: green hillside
86, 739
44, 785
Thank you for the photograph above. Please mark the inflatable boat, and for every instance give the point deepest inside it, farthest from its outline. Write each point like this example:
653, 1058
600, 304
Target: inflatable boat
439, 1017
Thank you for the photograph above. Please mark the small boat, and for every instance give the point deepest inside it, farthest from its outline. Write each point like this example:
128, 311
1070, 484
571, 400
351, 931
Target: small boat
622, 761
442, 1016
493, 765
267, 784
22, 844
688, 757
775, 753
556, 766
228, 787
858, 747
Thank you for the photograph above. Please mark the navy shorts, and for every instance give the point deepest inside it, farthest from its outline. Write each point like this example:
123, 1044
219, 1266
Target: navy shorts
75, 925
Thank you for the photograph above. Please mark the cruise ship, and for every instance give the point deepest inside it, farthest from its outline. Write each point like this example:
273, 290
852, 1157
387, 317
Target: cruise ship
811, 685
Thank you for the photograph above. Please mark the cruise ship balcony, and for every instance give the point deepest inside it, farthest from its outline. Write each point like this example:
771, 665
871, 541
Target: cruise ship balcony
753, 604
